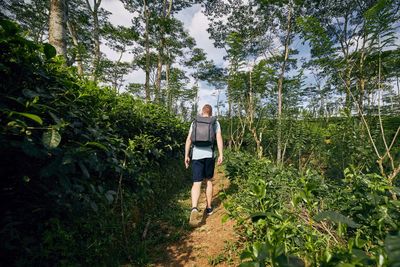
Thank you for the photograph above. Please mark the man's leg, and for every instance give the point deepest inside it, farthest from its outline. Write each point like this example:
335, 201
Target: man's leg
209, 192
198, 175
196, 187
195, 217
209, 171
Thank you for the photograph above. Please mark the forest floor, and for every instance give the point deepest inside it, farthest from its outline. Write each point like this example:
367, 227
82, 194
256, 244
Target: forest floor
212, 243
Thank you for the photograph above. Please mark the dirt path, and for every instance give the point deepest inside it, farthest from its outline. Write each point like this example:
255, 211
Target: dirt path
206, 244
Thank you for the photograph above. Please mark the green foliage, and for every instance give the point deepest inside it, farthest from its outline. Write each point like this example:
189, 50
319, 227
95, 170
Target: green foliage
298, 218
335, 217
392, 247
82, 166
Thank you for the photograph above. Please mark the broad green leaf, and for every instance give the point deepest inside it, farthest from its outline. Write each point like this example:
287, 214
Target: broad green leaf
396, 203
392, 248
260, 251
97, 144
9, 27
225, 218
336, 217
246, 255
94, 206
85, 172
249, 264
49, 51
54, 116
109, 197
290, 261
359, 254
345, 265
262, 215
33, 117
51, 138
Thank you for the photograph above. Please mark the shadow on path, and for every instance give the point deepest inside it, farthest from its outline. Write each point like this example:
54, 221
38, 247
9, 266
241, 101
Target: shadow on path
196, 246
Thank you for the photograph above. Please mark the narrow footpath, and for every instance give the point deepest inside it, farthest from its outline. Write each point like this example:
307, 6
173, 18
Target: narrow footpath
207, 244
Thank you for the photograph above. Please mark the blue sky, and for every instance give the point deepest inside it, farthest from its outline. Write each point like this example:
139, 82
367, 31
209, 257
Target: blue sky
196, 23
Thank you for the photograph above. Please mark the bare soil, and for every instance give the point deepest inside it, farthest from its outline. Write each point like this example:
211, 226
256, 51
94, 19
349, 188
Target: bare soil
205, 245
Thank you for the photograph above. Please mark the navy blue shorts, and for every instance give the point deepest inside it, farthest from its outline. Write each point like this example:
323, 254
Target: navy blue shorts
203, 169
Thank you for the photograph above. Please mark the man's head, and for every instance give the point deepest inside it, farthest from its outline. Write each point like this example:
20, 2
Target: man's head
207, 110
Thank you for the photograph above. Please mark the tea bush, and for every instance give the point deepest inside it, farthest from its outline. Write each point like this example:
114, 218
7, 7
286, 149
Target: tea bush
81, 165
291, 218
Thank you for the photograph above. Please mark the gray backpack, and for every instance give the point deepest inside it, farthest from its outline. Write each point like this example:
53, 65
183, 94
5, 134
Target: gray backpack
203, 131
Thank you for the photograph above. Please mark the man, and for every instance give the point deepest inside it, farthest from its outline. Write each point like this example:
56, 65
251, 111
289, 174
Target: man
203, 162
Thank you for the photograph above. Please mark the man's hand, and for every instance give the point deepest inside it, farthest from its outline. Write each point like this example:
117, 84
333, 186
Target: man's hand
220, 160
187, 161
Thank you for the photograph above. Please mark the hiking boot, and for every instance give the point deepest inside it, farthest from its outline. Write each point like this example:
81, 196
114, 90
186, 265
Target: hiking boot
209, 211
194, 219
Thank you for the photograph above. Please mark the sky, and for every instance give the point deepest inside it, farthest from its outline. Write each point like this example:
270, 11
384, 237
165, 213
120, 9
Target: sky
195, 22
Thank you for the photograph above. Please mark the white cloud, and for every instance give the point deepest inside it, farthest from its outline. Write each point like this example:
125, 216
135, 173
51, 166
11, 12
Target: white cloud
113, 55
137, 76
195, 22
186, 15
198, 30
119, 16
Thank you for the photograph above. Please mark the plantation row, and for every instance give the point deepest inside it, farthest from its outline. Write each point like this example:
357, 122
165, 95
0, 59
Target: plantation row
327, 145
288, 217
81, 166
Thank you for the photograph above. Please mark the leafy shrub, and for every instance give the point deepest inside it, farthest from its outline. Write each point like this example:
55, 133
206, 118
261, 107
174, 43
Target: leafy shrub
81, 165
292, 218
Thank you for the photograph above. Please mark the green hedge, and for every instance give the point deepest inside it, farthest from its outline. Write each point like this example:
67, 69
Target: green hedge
288, 217
81, 165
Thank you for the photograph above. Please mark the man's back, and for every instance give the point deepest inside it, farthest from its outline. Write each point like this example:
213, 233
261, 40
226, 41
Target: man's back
201, 151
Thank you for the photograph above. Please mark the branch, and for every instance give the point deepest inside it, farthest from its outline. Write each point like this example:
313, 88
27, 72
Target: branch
169, 8
88, 5
379, 109
362, 117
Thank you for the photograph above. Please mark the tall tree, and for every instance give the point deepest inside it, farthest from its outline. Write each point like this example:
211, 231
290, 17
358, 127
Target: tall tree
121, 40
57, 31
94, 9
249, 31
146, 14
79, 31
163, 17
344, 41
156, 20
33, 16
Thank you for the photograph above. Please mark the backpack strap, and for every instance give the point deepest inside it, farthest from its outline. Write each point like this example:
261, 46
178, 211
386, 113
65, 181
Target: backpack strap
194, 126
213, 124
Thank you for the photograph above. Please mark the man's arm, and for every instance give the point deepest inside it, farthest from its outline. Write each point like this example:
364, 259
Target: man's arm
187, 149
220, 145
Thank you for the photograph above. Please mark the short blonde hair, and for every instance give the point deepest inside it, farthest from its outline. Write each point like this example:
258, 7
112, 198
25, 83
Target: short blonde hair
207, 109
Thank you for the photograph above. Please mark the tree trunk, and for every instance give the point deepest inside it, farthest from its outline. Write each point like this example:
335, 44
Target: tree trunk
362, 77
96, 36
169, 95
230, 120
165, 14
147, 48
57, 27
157, 88
74, 37
279, 158
347, 71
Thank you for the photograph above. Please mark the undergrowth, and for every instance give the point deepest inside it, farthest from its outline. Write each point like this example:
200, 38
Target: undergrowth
83, 168
288, 217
